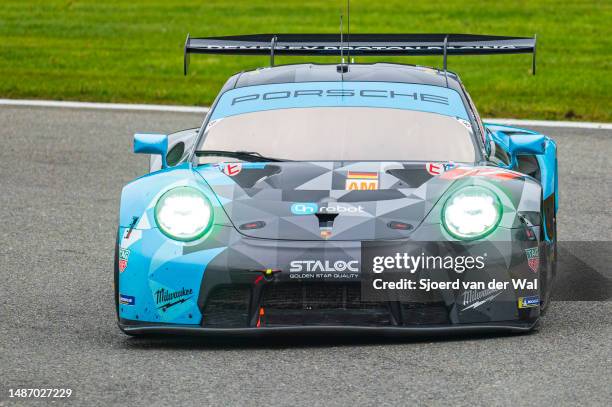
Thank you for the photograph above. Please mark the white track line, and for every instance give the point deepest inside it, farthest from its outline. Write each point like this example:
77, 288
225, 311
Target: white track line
195, 109
103, 106
550, 123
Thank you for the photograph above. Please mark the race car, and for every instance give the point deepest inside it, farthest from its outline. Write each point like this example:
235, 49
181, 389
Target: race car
345, 197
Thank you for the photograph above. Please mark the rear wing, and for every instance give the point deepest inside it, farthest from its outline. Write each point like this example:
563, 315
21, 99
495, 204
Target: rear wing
360, 44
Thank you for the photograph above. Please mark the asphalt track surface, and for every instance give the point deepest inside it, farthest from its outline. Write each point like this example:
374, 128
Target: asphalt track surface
61, 173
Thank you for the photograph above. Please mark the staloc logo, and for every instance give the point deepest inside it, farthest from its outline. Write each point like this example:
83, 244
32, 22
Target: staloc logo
310, 208
323, 265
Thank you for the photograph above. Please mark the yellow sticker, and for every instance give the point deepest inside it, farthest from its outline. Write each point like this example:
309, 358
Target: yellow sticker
361, 181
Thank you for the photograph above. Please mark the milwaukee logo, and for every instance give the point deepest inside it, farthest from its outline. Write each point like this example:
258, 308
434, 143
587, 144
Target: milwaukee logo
171, 298
473, 298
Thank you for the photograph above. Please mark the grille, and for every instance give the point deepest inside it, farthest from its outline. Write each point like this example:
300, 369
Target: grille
321, 304
424, 313
313, 304
228, 307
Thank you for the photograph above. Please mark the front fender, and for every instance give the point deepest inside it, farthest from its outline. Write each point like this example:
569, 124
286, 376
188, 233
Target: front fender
138, 198
520, 196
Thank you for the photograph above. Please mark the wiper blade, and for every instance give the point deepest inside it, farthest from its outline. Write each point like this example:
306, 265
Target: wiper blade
253, 156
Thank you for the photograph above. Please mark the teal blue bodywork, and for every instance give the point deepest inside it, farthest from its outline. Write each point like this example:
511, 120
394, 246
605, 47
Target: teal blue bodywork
153, 260
147, 143
546, 161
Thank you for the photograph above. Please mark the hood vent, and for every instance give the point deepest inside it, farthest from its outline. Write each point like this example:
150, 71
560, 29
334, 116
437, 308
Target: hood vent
326, 220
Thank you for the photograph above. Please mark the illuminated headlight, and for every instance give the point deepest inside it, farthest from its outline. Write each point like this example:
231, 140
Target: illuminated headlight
183, 213
471, 213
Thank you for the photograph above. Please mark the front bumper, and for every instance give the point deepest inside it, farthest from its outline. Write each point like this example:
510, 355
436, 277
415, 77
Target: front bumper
217, 287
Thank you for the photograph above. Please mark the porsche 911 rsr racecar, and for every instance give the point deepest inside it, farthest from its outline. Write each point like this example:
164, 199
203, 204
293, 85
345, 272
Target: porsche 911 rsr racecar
349, 198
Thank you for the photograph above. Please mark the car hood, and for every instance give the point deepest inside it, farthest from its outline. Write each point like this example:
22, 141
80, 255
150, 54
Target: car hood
328, 200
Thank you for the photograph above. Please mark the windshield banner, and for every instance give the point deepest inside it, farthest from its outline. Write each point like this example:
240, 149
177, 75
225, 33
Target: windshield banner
424, 98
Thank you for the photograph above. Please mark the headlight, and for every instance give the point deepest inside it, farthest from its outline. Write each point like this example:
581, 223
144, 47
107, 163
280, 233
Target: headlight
471, 213
183, 213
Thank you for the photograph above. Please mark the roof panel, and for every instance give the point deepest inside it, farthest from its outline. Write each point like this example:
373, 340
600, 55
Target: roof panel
379, 72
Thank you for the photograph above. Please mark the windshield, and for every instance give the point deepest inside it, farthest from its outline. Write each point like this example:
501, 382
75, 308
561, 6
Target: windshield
360, 121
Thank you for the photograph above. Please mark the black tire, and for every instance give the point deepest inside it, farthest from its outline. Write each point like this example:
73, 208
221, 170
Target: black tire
116, 276
549, 258
116, 284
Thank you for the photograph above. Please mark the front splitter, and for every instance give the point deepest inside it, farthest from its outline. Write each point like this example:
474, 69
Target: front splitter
509, 327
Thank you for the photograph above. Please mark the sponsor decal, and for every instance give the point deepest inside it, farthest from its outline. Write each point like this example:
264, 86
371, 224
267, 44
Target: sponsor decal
438, 168
166, 299
341, 208
310, 208
124, 255
323, 266
419, 97
131, 227
212, 123
344, 93
253, 166
361, 181
533, 258
528, 302
362, 175
304, 208
465, 123
232, 169
127, 299
376, 49
493, 173
472, 299
434, 168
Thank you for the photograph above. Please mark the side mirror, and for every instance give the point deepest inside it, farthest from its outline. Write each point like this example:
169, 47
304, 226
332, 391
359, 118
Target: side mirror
520, 144
525, 144
146, 143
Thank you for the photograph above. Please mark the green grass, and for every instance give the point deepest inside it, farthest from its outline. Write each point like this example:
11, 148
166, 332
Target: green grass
131, 51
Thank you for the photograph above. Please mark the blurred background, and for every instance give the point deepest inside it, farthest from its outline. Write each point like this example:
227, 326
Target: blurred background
132, 51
